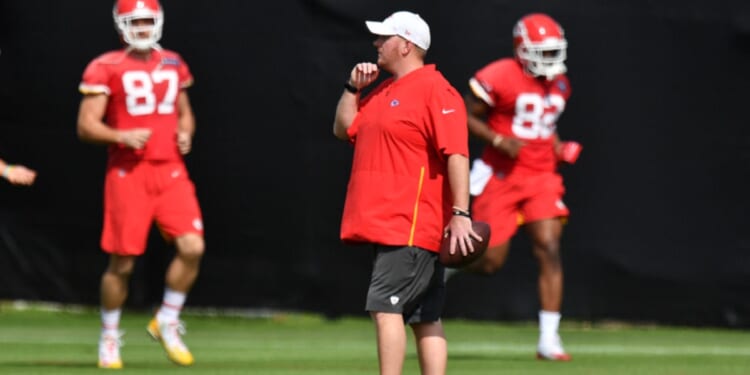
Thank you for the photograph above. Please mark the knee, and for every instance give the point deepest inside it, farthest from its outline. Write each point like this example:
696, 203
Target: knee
547, 251
190, 247
483, 267
488, 264
121, 267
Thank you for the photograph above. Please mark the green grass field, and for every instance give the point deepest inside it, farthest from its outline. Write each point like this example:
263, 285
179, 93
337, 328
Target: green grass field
38, 341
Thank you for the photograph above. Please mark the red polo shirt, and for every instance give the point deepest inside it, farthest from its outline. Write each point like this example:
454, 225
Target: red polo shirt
398, 192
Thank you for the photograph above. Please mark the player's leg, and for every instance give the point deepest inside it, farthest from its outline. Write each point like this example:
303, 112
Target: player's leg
181, 274
545, 236
179, 218
492, 260
432, 347
114, 283
127, 218
545, 212
114, 292
166, 326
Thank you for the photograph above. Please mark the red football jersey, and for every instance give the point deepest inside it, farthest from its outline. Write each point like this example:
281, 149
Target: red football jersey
142, 94
398, 192
523, 107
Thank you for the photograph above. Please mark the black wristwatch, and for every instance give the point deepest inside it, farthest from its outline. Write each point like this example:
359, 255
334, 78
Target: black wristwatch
348, 86
457, 212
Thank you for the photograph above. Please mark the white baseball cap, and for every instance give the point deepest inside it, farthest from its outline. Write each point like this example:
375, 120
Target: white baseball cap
407, 25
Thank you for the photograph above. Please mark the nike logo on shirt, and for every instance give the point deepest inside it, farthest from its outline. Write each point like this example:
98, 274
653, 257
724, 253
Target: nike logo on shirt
447, 111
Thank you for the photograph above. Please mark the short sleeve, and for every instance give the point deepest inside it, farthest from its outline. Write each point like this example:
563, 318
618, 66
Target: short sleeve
449, 123
95, 79
482, 85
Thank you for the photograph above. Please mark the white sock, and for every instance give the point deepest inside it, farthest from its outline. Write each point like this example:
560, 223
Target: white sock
110, 321
171, 306
549, 321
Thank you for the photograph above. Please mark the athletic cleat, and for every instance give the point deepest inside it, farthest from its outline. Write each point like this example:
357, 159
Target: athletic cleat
109, 351
168, 334
552, 350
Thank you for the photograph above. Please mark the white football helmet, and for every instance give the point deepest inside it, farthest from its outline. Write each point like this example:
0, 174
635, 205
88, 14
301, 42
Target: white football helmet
540, 45
142, 36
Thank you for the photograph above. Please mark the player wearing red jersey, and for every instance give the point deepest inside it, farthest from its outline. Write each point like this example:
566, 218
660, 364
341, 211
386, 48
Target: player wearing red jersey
408, 186
140, 91
514, 106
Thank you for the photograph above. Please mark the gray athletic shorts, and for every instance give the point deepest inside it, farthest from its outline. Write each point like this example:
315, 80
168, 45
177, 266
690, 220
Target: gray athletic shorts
409, 281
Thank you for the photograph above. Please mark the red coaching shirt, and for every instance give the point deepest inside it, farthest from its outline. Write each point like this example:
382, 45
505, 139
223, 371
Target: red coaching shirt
398, 193
142, 94
523, 107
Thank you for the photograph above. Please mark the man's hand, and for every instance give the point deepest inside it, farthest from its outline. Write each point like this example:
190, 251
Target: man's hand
363, 74
134, 138
19, 175
461, 232
509, 146
184, 142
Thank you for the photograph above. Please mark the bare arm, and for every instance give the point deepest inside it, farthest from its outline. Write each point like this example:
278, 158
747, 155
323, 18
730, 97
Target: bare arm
92, 129
477, 111
557, 143
186, 123
459, 227
346, 110
458, 178
361, 75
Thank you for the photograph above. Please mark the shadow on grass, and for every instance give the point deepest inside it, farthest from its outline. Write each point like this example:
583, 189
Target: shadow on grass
89, 365
482, 357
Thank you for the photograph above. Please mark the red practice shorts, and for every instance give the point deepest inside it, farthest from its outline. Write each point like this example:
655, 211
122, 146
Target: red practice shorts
507, 203
138, 194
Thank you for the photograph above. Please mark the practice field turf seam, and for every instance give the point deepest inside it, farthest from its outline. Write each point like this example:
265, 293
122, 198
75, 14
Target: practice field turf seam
499, 348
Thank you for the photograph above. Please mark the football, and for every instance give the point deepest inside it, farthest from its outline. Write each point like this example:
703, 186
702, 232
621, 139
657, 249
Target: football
457, 259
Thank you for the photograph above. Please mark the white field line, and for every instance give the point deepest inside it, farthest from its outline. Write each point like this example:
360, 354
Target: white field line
500, 348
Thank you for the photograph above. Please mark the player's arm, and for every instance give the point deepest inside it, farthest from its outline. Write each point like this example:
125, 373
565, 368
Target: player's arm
92, 129
186, 123
477, 109
557, 142
361, 75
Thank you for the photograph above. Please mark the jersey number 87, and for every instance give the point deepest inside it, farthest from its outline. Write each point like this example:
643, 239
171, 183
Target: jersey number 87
139, 88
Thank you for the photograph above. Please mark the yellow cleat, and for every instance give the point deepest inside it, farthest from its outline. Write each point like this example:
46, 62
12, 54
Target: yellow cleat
168, 334
109, 351
117, 365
